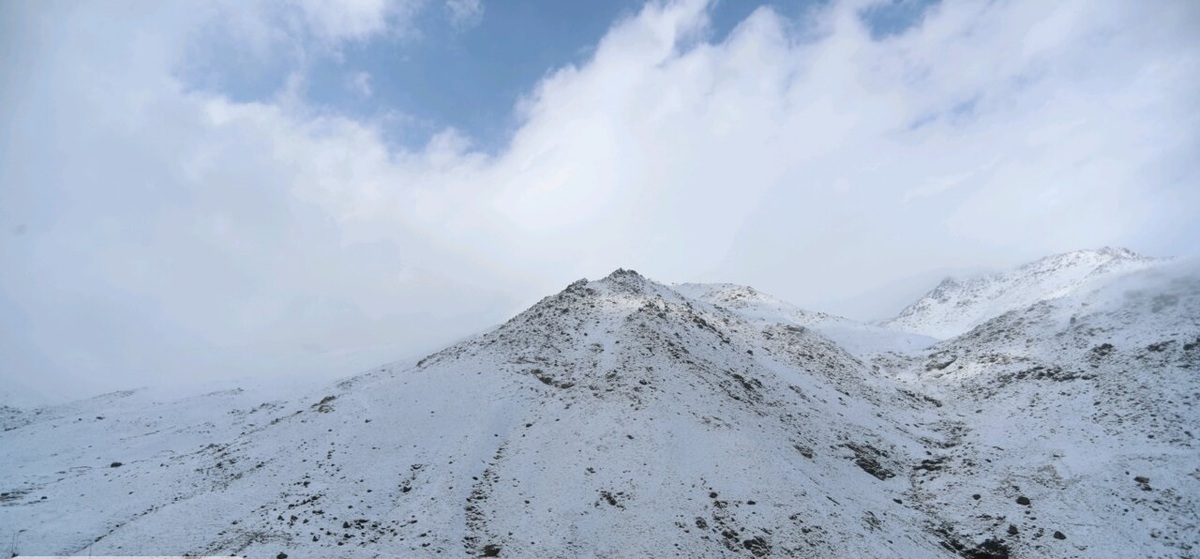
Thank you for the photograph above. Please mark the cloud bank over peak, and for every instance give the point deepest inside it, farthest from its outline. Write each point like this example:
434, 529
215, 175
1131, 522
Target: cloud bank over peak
169, 229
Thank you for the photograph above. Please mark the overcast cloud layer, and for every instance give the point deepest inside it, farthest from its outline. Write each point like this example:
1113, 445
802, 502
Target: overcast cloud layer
155, 230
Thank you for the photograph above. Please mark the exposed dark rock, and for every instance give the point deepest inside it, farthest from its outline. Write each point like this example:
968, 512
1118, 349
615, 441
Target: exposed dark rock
867, 458
757, 546
931, 465
614, 499
1042, 372
323, 406
940, 365
1160, 346
921, 397
549, 380
990, 549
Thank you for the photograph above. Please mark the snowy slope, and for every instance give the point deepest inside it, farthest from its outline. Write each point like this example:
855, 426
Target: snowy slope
1088, 406
955, 306
615, 418
863, 340
624, 418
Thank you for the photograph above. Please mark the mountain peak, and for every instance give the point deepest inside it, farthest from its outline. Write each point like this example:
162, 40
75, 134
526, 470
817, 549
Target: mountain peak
626, 280
957, 305
621, 274
1120, 252
1088, 256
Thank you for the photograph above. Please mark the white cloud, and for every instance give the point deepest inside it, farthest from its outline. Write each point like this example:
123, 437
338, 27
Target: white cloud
173, 232
938, 185
360, 84
337, 20
464, 14
239, 40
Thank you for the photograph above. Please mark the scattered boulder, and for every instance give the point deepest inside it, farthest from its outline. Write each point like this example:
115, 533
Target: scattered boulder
757, 546
990, 549
1160, 346
324, 405
867, 458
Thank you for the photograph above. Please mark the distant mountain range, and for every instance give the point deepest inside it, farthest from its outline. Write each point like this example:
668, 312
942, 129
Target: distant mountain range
1048, 411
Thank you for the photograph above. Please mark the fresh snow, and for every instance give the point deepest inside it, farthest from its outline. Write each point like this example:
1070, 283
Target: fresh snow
955, 306
626, 418
856, 337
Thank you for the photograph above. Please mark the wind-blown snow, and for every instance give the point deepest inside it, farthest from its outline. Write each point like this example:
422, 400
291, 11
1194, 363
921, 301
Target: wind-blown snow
956, 306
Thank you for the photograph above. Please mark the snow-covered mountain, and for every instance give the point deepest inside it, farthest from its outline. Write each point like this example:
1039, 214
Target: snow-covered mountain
1087, 405
625, 418
862, 339
957, 305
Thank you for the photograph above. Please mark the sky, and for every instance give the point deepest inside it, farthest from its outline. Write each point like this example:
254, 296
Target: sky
201, 191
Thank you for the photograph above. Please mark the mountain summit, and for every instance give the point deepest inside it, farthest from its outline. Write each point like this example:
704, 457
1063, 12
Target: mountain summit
624, 417
956, 306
